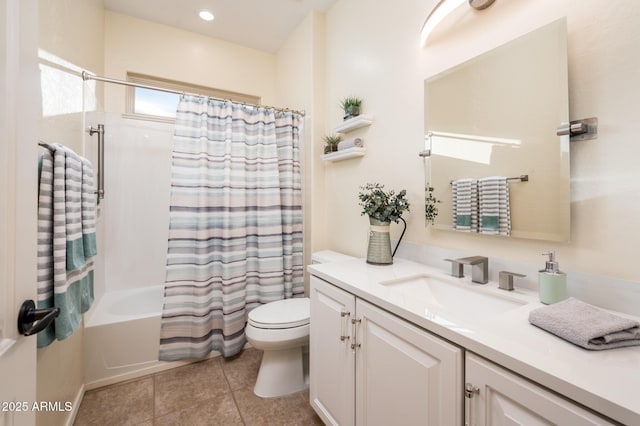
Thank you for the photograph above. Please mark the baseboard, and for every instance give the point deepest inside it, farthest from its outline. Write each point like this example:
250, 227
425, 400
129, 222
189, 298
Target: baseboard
76, 406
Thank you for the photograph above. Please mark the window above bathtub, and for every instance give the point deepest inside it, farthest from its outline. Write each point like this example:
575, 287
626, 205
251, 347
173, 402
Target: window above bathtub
156, 105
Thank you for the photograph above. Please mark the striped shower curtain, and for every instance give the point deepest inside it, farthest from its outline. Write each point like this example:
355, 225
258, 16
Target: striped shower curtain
235, 233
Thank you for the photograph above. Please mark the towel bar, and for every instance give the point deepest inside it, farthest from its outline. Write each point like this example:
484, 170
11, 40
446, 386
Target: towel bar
521, 178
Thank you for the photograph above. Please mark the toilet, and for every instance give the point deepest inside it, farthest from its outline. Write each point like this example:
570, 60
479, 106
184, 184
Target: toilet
281, 330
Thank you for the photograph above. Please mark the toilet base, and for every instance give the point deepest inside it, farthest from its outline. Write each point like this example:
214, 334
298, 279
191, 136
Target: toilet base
281, 373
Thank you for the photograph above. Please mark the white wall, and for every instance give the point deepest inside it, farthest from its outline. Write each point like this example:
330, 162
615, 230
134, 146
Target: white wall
373, 52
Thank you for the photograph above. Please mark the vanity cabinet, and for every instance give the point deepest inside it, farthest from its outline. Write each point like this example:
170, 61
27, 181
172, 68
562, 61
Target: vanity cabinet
495, 396
369, 367
331, 360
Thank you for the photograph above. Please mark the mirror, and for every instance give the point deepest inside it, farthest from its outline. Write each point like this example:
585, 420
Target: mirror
496, 115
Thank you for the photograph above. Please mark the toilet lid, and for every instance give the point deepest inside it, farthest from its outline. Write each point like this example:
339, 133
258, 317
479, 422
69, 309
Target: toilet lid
285, 313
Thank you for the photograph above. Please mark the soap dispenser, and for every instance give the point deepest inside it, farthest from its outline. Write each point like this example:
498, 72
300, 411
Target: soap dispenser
552, 284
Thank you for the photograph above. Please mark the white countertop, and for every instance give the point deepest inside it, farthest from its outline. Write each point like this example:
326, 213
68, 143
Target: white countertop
605, 381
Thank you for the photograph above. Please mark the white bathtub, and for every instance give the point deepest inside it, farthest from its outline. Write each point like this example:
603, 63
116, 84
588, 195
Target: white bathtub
122, 336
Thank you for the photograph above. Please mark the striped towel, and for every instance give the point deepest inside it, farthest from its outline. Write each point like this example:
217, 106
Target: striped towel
66, 239
495, 212
464, 196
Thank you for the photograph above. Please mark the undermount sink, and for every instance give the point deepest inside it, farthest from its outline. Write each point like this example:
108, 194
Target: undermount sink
435, 297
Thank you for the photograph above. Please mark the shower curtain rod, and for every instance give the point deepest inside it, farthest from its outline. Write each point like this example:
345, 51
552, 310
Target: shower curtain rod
86, 76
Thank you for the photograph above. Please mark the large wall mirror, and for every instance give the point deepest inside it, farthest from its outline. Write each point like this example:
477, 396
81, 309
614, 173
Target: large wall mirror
497, 115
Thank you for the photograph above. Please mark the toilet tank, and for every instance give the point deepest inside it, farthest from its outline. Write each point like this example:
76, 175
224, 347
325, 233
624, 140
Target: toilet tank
327, 256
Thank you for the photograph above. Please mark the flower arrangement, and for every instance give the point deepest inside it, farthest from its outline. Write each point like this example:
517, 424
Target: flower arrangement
430, 209
381, 205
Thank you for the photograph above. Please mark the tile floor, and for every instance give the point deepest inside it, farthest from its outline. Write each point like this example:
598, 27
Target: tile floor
217, 391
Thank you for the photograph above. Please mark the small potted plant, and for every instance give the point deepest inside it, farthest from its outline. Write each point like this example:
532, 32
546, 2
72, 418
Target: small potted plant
382, 207
351, 107
331, 142
430, 209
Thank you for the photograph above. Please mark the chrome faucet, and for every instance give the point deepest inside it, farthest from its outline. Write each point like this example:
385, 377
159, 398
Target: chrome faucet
479, 268
505, 280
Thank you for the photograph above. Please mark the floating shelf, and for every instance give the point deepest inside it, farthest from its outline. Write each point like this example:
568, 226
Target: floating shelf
345, 154
353, 123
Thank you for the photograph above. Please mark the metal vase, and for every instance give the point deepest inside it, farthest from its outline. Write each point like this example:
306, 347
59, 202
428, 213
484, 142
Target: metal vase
379, 251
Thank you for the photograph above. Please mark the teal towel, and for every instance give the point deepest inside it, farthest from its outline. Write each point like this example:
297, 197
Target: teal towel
490, 222
463, 220
66, 239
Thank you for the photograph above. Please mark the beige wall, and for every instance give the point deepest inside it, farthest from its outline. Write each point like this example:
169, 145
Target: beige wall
73, 30
376, 55
144, 47
71, 33
300, 85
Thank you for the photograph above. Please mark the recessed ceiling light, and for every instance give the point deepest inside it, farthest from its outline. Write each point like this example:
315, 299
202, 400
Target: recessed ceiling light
206, 15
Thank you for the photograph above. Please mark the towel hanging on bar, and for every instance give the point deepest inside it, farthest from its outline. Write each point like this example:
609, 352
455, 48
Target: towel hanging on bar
494, 209
66, 239
464, 196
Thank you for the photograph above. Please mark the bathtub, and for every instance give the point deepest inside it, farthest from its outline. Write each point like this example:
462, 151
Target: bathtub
122, 336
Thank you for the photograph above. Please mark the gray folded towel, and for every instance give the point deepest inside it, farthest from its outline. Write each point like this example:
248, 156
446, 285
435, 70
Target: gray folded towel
350, 143
585, 325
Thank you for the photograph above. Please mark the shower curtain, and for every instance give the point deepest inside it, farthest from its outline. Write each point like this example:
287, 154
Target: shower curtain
235, 232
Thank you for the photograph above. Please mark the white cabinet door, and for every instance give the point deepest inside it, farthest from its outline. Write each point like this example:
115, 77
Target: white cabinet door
331, 363
506, 399
404, 375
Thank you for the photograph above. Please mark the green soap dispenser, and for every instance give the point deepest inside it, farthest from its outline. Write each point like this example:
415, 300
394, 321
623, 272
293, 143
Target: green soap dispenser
552, 283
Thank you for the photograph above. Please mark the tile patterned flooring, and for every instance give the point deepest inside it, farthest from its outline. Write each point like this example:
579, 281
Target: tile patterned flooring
216, 391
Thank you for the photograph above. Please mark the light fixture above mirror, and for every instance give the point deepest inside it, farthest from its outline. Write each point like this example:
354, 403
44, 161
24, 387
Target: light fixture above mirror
443, 9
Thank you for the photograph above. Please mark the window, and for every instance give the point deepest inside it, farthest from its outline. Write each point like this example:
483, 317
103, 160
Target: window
150, 104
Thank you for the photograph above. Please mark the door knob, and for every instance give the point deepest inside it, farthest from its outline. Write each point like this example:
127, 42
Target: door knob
32, 320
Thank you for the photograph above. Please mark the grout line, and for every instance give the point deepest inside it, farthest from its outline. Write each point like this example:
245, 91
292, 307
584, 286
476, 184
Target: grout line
233, 396
186, 407
153, 404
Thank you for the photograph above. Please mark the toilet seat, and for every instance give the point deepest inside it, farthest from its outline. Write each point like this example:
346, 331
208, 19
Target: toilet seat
282, 314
